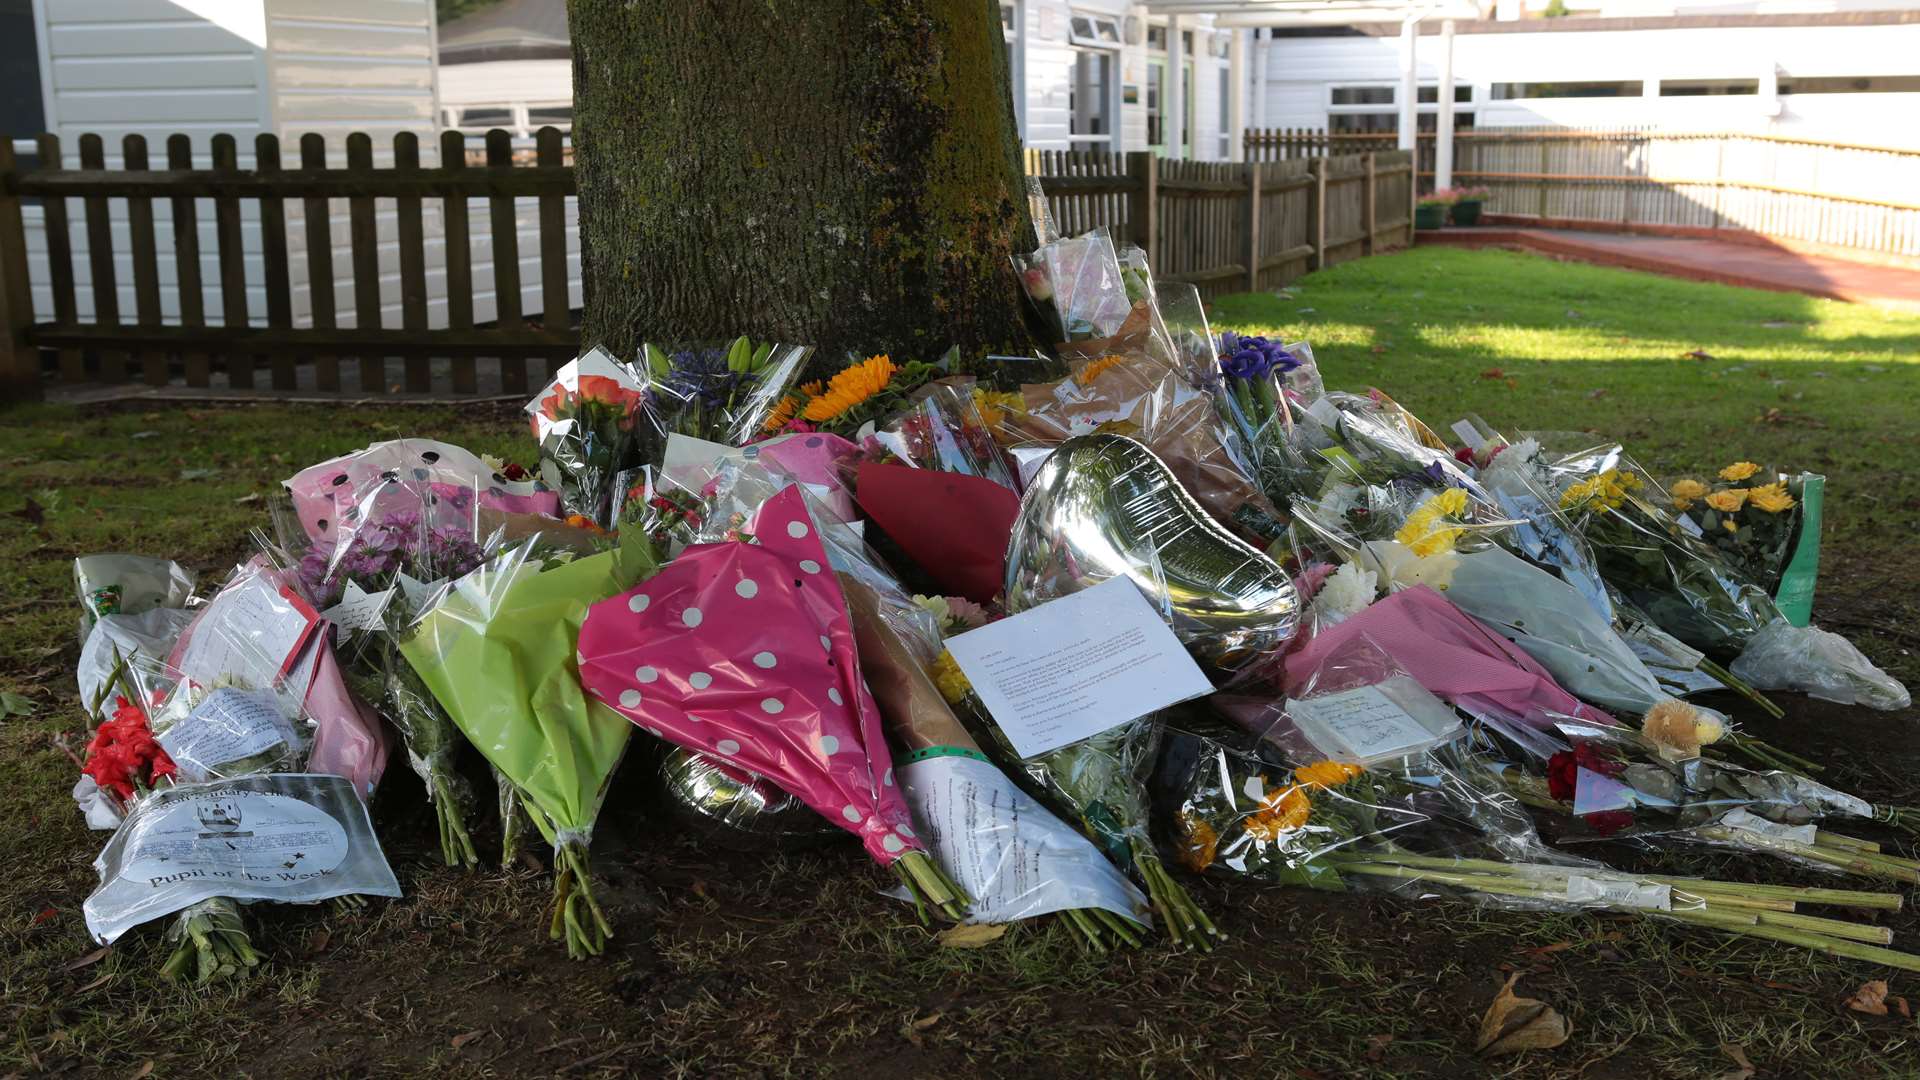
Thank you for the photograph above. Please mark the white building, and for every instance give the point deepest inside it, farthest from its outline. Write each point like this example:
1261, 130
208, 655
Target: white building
1847, 75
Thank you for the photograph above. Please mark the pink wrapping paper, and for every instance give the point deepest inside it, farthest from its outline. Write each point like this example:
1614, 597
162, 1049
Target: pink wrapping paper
813, 459
745, 652
1451, 654
348, 738
389, 476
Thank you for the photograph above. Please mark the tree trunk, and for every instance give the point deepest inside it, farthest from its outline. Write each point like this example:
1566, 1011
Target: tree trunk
841, 173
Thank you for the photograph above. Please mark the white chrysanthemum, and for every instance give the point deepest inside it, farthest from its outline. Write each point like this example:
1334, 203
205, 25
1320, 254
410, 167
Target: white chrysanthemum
1345, 592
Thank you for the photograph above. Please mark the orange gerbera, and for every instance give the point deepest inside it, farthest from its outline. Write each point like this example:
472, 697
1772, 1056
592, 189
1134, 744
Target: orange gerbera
1199, 844
1086, 375
855, 384
1280, 812
1326, 774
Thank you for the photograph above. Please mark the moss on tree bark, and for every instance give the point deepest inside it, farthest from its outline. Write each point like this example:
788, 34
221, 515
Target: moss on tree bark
844, 173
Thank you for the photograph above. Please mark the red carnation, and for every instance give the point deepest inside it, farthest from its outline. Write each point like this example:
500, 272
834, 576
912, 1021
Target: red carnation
1562, 773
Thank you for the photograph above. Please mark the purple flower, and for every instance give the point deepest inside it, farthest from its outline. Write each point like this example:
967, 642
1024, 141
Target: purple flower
1247, 357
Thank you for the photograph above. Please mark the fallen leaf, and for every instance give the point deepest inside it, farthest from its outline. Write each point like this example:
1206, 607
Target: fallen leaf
1696, 354
317, 944
1378, 349
927, 1021
12, 704
1514, 1024
1900, 1006
913, 1029
1558, 946
143, 1071
247, 500
971, 935
1377, 1046
1739, 1056
88, 960
1493, 373
95, 984
462, 1040
45, 915
1871, 998
1596, 395
33, 513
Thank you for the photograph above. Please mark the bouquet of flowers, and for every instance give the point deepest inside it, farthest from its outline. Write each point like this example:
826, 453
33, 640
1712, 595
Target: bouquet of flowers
584, 422
942, 430
1764, 528
1078, 286
745, 652
863, 392
498, 652
727, 394
1430, 825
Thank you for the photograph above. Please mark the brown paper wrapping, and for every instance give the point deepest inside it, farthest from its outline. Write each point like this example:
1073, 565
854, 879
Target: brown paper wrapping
519, 527
1144, 399
917, 716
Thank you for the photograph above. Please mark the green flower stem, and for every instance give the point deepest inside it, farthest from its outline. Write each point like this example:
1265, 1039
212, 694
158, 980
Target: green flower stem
930, 886
1185, 923
212, 935
1853, 950
1873, 935
1740, 686
1089, 930
1862, 863
455, 845
1823, 838
576, 916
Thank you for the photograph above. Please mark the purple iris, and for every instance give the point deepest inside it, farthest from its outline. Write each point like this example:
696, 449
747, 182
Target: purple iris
1249, 357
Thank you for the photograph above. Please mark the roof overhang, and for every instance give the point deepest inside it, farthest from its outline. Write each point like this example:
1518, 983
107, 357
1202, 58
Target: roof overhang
1245, 13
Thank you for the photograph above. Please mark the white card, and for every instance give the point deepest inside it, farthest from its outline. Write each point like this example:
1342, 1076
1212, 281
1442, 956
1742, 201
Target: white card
358, 609
251, 631
1077, 666
1373, 722
229, 725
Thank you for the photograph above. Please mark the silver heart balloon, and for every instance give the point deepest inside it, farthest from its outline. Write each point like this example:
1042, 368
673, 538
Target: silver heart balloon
1104, 506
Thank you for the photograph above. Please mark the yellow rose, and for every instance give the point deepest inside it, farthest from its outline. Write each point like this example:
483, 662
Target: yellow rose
1683, 504
1738, 471
1728, 501
1772, 498
1687, 489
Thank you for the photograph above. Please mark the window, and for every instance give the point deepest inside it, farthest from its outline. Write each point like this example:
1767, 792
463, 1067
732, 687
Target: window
1156, 39
1092, 108
1371, 108
560, 116
1009, 20
1010, 26
1100, 31
1853, 84
482, 119
21, 110
1707, 87
1613, 89
1226, 115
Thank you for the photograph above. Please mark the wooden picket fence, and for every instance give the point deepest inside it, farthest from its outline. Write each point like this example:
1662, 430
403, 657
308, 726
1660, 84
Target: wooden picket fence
1224, 228
1289, 144
1233, 227
1842, 195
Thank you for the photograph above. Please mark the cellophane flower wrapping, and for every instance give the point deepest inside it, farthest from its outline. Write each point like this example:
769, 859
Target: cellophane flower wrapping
745, 652
1077, 284
497, 651
942, 430
1269, 807
728, 393
1012, 856
1153, 402
116, 584
585, 422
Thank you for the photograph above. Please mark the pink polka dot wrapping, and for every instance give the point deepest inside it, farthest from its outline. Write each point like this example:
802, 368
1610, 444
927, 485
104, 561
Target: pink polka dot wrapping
745, 652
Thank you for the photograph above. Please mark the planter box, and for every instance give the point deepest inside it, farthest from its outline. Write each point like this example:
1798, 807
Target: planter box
1466, 212
1429, 217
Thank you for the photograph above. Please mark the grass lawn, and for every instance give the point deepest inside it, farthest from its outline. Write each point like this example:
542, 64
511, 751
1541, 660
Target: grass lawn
730, 964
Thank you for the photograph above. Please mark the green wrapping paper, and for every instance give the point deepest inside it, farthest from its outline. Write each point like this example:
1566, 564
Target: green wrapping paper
1795, 593
497, 651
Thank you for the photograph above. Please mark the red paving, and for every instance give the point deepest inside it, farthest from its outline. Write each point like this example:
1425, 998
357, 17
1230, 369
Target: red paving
1754, 265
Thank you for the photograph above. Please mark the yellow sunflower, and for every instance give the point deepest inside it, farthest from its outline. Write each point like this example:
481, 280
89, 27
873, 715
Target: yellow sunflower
995, 406
1738, 471
855, 384
1772, 498
782, 413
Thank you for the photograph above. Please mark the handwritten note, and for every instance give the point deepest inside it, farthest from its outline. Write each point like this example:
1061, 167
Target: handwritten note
1077, 666
252, 631
1373, 722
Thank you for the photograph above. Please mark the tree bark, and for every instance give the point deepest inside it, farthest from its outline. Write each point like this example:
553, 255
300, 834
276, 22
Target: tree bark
841, 173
